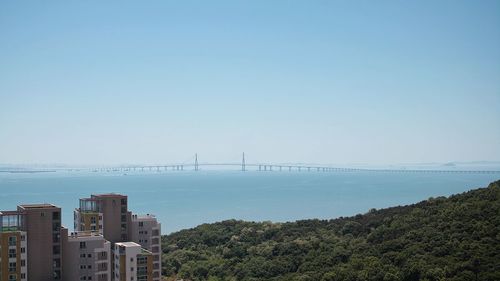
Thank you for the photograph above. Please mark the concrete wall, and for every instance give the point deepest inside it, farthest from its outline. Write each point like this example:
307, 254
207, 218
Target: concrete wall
5, 260
146, 231
89, 259
42, 251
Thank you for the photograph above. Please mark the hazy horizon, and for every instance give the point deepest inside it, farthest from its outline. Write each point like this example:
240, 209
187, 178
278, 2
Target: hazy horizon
375, 83
189, 163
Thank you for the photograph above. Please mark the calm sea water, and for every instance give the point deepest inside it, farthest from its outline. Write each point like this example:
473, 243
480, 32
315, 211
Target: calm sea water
186, 199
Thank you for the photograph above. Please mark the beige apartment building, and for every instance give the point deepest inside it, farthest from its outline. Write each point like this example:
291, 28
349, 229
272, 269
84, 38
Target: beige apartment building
108, 214
86, 256
146, 230
115, 217
43, 227
132, 262
13, 246
88, 216
108, 243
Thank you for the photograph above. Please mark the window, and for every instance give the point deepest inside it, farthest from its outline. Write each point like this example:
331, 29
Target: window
89, 255
12, 267
55, 237
83, 245
23, 250
23, 262
82, 255
23, 275
141, 224
93, 219
12, 253
12, 240
56, 216
12, 277
56, 250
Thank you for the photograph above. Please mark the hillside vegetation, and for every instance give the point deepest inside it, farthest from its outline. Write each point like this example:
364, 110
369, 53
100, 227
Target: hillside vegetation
454, 238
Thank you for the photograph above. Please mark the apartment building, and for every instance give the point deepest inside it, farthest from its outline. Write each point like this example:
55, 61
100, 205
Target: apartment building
86, 256
145, 231
88, 216
43, 227
108, 214
108, 243
109, 211
114, 208
132, 262
13, 246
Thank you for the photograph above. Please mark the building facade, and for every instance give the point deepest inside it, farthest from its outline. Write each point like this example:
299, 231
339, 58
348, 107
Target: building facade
86, 256
108, 243
88, 216
13, 247
114, 209
132, 262
44, 253
145, 231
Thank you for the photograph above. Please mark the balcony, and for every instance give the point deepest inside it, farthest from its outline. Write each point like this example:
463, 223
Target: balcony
89, 205
11, 221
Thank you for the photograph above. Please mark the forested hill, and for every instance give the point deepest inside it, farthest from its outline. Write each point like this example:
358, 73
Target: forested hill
454, 238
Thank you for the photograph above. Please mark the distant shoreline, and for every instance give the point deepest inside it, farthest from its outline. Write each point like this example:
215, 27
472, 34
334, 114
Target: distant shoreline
28, 172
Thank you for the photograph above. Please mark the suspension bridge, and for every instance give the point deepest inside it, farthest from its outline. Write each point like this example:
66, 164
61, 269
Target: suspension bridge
243, 166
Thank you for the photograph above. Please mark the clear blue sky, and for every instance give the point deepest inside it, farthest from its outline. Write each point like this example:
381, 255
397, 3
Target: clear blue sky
314, 81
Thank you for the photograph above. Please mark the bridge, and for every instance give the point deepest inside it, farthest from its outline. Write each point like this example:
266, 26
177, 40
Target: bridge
270, 167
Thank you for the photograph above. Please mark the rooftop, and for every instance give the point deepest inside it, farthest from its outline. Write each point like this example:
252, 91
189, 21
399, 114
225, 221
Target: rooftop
104, 195
85, 234
38, 206
7, 213
127, 244
145, 252
143, 217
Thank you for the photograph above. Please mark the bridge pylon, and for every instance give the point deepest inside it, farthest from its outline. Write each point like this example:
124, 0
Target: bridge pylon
196, 162
243, 168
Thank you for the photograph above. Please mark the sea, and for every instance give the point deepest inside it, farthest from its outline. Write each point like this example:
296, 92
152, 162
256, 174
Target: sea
182, 200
